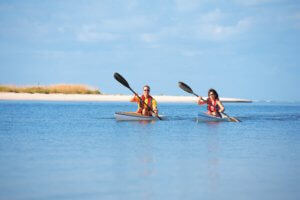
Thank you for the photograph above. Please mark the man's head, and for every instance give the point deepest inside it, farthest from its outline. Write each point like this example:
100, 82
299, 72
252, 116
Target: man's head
146, 90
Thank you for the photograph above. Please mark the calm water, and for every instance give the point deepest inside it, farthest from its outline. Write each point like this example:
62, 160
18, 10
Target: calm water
67, 150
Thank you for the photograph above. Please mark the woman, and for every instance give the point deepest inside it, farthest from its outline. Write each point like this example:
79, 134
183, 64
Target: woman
214, 105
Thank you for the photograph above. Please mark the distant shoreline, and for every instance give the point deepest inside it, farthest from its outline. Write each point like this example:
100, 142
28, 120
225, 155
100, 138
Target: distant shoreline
50, 89
101, 97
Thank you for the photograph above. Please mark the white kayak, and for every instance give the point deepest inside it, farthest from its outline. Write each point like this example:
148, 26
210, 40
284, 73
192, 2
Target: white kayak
204, 117
133, 116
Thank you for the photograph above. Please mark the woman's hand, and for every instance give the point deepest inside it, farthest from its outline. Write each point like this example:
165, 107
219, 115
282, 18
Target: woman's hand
201, 100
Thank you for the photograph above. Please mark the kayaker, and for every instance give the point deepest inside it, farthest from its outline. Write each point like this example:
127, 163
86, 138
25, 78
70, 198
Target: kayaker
149, 100
214, 105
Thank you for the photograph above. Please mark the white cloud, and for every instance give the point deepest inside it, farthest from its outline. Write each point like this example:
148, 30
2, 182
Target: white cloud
91, 34
213, 25
151, 28
217, 31
163, 34
216, 25
113, 28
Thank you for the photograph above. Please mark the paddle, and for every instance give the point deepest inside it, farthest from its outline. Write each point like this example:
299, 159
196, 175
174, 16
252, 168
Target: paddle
188, 89
122, 80
232, 119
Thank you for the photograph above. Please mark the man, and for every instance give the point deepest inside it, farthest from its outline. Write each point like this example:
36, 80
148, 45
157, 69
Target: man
149, 100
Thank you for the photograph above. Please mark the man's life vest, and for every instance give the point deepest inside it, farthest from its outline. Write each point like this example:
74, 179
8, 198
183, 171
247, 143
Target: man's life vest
142, 105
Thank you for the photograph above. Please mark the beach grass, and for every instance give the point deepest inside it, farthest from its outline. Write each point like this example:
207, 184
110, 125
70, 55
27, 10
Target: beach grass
52, 89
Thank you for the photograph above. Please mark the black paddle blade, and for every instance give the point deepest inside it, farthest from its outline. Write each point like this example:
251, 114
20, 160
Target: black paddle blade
122, 80
185, 87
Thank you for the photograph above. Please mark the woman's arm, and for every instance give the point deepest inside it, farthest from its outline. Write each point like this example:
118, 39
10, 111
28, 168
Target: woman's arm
221, 107
201, 101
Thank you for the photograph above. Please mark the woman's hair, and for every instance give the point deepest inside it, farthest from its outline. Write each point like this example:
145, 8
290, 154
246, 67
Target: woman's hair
214, 92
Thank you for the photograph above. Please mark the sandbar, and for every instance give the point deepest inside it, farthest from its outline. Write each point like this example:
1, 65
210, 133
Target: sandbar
103, 98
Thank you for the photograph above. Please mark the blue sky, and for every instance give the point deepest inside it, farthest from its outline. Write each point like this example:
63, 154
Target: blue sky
242, 48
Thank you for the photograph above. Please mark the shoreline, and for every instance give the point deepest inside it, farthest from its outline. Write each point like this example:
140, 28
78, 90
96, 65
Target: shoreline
102, 98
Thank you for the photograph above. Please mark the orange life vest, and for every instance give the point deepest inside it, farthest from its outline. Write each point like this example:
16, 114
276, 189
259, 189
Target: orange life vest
142, 105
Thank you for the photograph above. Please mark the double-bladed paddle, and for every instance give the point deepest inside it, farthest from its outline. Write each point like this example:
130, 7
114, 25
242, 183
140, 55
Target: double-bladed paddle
123, 81
188, 89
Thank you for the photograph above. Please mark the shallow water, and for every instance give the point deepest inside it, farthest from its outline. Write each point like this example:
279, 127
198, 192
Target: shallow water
67, 150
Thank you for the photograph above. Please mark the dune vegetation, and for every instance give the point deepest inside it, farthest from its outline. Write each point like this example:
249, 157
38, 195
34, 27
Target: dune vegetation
52, 89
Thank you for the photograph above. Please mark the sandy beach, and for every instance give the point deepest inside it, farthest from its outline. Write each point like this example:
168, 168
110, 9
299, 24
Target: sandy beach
101, 98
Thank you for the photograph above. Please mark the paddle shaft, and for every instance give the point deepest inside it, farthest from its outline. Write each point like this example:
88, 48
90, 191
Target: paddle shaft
231, 118
196, 95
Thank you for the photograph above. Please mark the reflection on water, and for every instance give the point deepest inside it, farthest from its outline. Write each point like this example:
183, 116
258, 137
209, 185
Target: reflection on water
145, 122
213, 157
